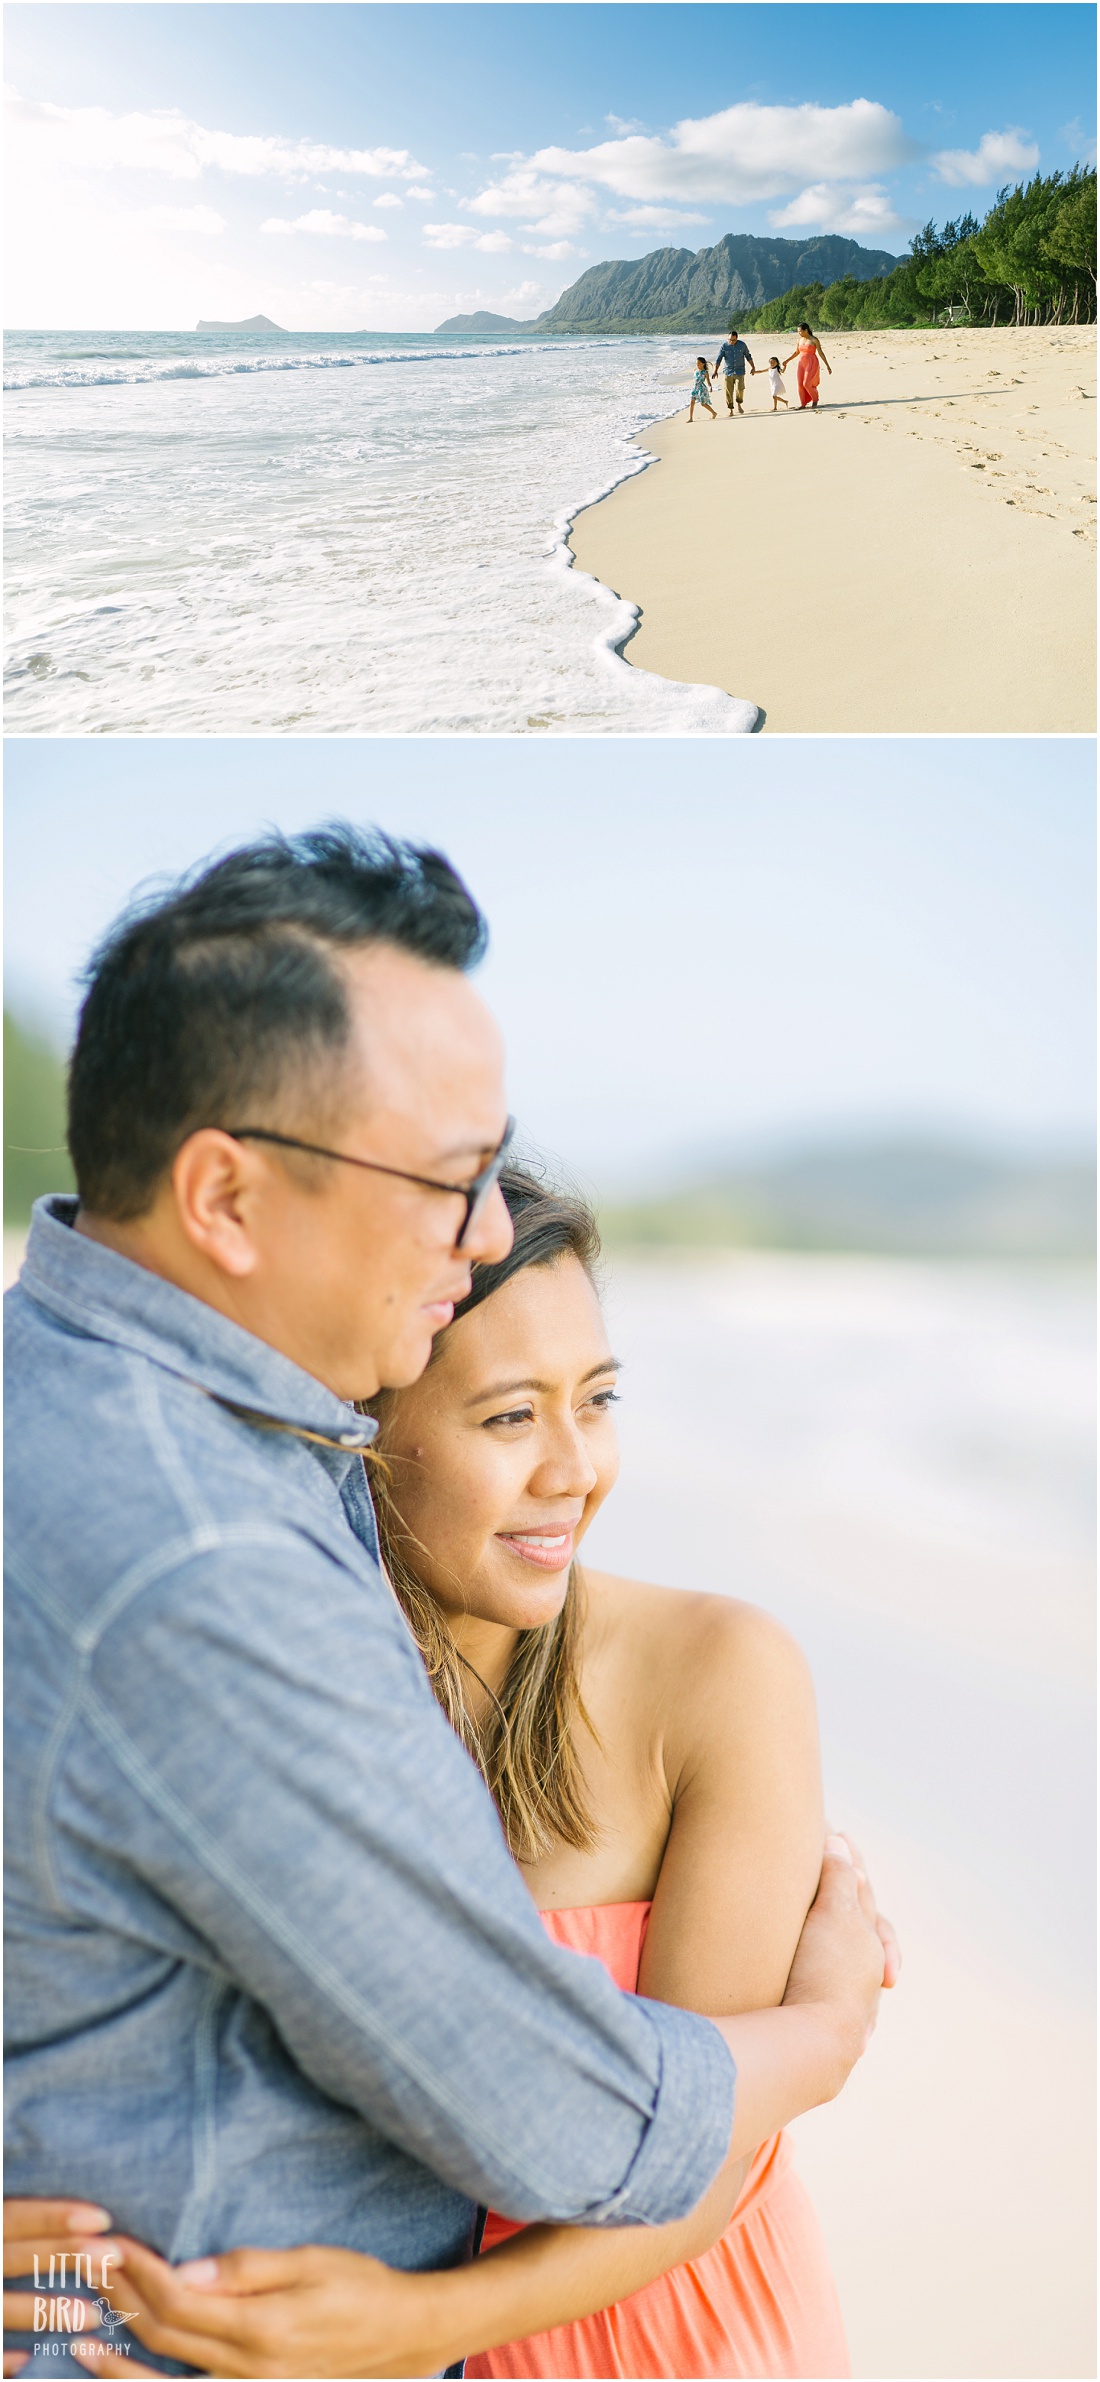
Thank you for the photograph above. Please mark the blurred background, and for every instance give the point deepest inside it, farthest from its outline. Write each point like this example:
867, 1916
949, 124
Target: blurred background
813, 1024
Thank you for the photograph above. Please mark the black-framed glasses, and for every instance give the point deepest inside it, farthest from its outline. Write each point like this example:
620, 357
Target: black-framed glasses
475, 1194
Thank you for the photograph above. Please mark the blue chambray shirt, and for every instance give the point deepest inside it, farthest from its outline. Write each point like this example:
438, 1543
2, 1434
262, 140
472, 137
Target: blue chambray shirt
272, 1974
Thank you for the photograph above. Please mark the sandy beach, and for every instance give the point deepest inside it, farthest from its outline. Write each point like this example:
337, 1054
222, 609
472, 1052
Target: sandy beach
919, 557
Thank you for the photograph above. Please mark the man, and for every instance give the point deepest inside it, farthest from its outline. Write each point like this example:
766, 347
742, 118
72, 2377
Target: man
273, 1976
731, 359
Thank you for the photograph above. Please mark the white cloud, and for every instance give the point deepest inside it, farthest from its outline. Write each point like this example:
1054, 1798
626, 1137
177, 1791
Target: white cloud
389, 198
557, 249
465, 235
416, 191
203, 220
525, 294
625, 123
652, 217
162, 141
328, 225
997, 157
865, 213
447, 235
743, 153
555, 208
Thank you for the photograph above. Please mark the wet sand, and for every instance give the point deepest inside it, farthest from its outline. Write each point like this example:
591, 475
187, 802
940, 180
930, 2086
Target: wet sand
919, 556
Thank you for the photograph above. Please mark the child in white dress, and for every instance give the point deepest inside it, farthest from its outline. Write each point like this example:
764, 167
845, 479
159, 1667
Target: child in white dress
775, 383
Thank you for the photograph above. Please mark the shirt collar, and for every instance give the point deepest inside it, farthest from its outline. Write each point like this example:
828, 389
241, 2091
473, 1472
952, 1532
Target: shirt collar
105, 1296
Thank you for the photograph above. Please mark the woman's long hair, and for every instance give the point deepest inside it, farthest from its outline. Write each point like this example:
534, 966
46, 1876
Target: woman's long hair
525, 1746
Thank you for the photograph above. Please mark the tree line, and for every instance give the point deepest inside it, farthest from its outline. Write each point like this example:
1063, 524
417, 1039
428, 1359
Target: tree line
1031, 260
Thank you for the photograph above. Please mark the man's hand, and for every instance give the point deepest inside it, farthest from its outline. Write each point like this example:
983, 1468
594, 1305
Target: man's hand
841, 1959
884, 1929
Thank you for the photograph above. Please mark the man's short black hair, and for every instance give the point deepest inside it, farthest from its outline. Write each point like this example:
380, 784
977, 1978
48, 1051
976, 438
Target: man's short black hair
206, 1005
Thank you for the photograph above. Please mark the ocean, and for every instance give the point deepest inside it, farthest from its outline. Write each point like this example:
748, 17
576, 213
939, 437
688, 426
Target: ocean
896, 1460
242, 533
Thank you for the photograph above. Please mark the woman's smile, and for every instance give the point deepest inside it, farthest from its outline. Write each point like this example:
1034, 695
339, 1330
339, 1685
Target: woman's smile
552, 1550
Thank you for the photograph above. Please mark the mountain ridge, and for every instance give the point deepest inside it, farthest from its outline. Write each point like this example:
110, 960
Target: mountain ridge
693, 290
892, 1194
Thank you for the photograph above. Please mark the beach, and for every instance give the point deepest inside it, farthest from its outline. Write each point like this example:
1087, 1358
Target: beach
919, 557
895, 1458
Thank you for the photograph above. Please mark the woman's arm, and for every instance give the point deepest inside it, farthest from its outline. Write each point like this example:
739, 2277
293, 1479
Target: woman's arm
743, 1770
739, 1871
333, 2312
824, 357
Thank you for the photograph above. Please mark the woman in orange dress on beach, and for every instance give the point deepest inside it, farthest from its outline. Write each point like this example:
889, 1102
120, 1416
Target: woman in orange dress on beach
811, 355
653, 1755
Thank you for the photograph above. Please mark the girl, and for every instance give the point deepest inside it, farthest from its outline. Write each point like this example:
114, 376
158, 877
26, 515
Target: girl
811, 355
775, 383
701, 390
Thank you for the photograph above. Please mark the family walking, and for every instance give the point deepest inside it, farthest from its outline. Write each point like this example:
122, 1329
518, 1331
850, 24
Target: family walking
733, 357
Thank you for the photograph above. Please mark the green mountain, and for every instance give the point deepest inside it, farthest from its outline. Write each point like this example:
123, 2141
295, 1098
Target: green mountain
35, 1157
898, 1197
471, 323
676, 289
693, 290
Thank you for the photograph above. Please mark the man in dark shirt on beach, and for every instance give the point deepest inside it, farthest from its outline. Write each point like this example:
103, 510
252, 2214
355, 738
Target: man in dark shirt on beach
731, 359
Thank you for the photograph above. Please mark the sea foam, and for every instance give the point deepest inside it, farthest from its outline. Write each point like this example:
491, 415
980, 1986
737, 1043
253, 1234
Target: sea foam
242, 534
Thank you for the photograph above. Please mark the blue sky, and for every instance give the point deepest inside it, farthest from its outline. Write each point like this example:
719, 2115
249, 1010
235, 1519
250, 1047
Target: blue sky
381, 166
689, 949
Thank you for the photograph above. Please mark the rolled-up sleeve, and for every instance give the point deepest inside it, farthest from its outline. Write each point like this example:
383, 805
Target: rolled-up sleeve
258, 1732
689, 2134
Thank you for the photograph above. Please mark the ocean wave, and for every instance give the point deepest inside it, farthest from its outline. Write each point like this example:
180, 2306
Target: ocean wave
387, 555
106, 373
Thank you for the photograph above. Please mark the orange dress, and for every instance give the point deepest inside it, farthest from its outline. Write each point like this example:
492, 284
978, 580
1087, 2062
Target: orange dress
809, 373
760, 2302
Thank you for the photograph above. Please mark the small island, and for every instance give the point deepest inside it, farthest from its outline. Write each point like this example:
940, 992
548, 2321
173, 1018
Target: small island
471, 324
256, 322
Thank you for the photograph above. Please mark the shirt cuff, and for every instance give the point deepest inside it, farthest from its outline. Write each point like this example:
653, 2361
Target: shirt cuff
688, 2135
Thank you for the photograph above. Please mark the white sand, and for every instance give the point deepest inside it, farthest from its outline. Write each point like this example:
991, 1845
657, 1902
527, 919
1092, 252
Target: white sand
917, 557
955, 2176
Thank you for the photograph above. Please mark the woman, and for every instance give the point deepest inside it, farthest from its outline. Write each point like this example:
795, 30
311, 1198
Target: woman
811, 355
653, 1756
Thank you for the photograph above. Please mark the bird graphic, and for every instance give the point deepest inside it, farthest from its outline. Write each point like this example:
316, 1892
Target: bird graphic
112, 2317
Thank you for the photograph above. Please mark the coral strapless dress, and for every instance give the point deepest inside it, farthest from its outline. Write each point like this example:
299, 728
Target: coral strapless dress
761, 2302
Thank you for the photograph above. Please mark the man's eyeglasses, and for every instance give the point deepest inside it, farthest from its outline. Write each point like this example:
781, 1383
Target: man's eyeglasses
475, 1194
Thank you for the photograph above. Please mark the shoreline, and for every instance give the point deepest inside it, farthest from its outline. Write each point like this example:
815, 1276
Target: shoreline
720, 711
941, 582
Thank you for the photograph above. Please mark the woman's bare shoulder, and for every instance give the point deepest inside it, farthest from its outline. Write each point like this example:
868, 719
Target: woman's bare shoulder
692, 1633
